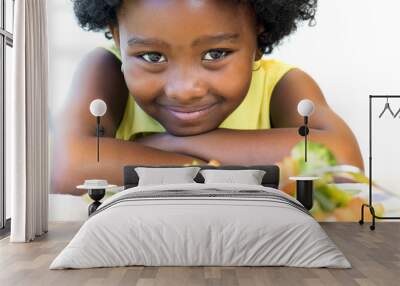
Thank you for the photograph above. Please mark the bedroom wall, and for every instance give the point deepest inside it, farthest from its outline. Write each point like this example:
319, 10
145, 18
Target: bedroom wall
351, 52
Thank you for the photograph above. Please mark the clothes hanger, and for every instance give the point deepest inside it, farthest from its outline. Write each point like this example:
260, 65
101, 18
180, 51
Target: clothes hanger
397, 113
387, 107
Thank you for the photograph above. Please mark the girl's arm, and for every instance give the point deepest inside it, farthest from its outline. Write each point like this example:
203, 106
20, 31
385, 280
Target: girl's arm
74, 134
272, 145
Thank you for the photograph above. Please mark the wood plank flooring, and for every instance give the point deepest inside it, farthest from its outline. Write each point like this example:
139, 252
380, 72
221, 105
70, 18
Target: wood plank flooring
374, 255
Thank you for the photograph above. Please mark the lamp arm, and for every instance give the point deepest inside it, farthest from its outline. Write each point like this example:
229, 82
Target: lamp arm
98, 137
303, 131
305, 108
305, 146
305, 137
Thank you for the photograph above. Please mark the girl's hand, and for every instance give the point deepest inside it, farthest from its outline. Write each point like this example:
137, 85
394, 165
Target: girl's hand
162, 141
179, 144
170, 143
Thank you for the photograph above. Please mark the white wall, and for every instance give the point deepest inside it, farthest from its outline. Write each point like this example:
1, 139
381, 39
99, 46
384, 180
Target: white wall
68, 43
353, 51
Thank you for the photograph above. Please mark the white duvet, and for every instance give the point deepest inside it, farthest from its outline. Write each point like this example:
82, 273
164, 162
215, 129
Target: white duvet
206, 230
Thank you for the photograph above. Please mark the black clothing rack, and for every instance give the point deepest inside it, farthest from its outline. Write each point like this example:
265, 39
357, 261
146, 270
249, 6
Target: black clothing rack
369, 205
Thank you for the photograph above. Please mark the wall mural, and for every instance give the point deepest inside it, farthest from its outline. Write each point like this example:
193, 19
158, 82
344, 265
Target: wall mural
175, 96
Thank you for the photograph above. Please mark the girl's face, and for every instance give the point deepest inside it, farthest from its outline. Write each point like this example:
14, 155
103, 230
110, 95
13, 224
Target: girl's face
188, 63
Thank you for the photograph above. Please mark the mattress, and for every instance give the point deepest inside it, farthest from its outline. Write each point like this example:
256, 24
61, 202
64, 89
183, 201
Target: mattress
201, 225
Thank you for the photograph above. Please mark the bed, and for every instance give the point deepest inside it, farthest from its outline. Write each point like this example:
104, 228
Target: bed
201, 223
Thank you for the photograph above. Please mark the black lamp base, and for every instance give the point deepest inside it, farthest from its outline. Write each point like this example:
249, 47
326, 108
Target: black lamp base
96, 195
304, 193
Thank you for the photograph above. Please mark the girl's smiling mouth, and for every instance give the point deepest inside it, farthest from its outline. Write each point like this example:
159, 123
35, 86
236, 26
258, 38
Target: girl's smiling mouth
189, 114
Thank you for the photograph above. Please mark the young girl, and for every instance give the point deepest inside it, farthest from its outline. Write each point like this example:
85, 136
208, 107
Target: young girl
185, 80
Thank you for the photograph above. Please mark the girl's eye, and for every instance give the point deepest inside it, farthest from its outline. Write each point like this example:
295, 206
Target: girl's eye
215, 55
157, 58
153, 58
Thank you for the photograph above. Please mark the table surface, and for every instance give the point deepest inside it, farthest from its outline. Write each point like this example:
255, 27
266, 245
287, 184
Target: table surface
300, 178
85, 187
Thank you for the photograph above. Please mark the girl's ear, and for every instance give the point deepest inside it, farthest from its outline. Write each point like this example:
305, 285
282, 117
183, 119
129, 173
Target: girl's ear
115, 34
259, 53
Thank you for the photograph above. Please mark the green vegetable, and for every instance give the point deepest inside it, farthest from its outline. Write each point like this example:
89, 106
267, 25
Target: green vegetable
323, 201
316, 208
318, 156
336, 196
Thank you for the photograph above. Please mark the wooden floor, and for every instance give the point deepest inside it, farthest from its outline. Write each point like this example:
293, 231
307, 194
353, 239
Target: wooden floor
374, 255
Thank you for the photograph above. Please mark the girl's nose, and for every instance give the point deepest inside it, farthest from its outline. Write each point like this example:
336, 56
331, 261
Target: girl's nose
185, 87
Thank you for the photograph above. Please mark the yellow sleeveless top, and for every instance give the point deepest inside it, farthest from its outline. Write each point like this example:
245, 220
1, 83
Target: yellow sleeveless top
251, 114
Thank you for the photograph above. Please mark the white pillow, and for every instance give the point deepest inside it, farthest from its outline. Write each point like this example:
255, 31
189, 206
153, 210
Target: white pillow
162, 176
248, 177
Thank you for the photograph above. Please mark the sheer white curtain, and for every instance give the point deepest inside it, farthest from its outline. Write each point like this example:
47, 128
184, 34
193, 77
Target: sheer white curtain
26, 123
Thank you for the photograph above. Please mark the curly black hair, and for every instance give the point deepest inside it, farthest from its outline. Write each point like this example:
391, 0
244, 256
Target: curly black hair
278, 17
